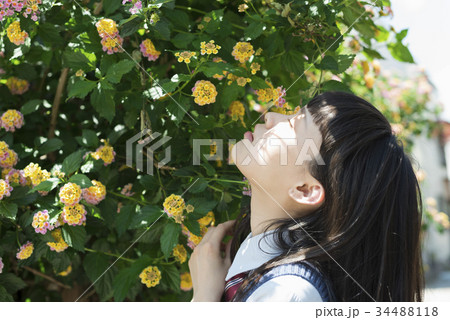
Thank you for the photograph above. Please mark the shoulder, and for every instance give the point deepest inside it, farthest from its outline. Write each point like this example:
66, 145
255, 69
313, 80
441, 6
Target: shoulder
286, 288
292, 282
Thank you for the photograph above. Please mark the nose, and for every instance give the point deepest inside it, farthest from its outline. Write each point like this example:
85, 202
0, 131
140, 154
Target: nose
272, 118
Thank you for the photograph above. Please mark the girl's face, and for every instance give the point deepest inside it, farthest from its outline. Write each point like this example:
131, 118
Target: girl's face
275, 157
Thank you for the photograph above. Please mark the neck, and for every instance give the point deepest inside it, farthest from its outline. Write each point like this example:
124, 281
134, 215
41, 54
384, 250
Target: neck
264, 210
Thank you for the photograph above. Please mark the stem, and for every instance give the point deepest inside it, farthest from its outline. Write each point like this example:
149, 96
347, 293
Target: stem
225, 180
128, 198
109, 254
38, 273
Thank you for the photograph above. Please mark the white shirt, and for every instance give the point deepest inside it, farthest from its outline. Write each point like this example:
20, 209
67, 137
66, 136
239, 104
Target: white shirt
279, 289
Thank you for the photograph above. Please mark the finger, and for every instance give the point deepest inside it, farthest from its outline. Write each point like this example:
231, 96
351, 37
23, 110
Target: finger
220, 232
228, 252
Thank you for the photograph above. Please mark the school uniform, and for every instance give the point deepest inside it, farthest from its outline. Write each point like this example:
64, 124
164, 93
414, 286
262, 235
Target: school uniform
296, 282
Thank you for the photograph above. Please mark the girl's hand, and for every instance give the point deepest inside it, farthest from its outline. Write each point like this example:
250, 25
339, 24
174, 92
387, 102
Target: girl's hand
207, 266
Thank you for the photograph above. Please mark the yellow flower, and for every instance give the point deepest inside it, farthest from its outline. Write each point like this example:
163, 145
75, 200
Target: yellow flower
242, 7
74, 215
242, 81
112, 45
148, 50
17, 86
189, 208
204, 92
237, 111
5, 189
207, 19
25, 251
95, 193
255, 67
186, 281
174, 206
8, 158
224, 72
70, 194
107, 28
60, 245
66, 272
242, 51
213, 148
150, 276
35, 174
258, 52
207, 220
180, 253
106, 153
265, 95
209, 48
15, 34
185, 56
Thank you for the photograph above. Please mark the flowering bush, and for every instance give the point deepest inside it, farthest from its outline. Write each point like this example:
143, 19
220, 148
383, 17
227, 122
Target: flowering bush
78, 79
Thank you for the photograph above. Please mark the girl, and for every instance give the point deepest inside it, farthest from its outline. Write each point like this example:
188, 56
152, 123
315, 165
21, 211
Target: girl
340, 222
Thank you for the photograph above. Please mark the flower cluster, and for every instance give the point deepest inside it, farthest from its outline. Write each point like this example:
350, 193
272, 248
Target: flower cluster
8, 157
74, 215
192, 239
180, 253
237, 111
8, 7
25, 251
66, 272
106, 153
185, 56
224, 72
35, 174
148, 50
242, 7
15, 34
255, 67
204, 92
207, 220
209, 48
70, 194
16, 85
174, 206
269, 94
111, 40
242, 51
11, 120
5, 189
95, 193
60, 245
150, 276
186, 281
126, 190
41, 223
137, 6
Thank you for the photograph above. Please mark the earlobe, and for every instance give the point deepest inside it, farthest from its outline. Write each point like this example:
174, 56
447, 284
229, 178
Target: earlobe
311, 195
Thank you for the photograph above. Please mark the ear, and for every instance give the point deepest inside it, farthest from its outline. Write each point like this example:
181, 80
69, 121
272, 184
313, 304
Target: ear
313, 194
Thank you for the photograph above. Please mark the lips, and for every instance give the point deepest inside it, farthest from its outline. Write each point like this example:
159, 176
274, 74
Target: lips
248, 135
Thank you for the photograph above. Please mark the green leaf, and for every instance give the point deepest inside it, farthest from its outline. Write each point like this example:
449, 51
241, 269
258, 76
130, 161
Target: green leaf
182, 40
116, 71
146, 216
254, 30
103, 102
179, 108
80, 88
79, 59
8, 209
127, 277
202, 206
47, 185
258, 83
49, 33
130, 26
5, 296
328, 63
89, 138
400, 52
81, 180
229, 94
170, 276
169, 238
344, 61
333, 85
161, 29
72, 162
50, 145
124, 218
293, 61
74, 236
11, 282
192, 225
401, 35
98, 269
111, 5
31, 106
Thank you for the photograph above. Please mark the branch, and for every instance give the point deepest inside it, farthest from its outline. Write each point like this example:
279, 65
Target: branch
38, 273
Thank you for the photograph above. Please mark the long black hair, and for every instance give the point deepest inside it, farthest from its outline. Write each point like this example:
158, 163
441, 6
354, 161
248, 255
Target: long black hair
366, 236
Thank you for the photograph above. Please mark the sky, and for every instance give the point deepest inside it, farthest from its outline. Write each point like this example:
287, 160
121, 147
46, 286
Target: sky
428, 40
